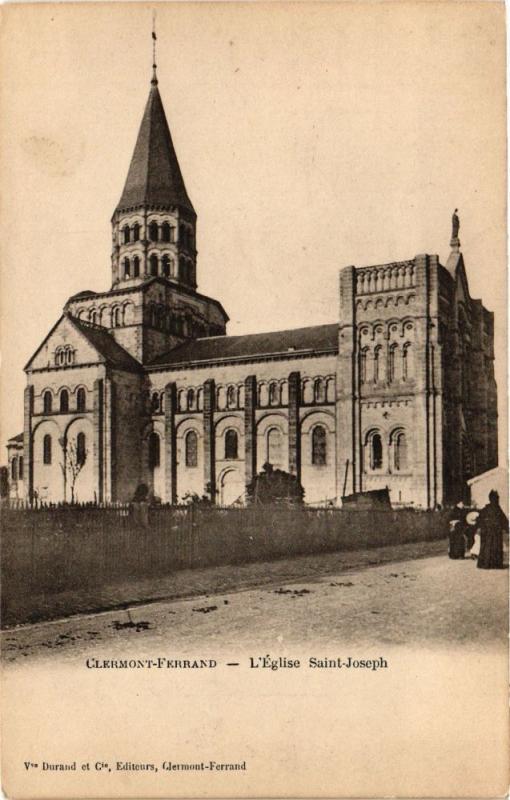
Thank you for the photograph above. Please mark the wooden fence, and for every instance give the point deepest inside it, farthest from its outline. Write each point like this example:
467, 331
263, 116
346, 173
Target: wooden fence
51, 550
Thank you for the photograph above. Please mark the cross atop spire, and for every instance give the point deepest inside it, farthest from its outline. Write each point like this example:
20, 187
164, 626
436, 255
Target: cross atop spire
154, 81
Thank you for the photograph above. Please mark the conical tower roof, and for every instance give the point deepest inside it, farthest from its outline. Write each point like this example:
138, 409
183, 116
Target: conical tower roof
154, 177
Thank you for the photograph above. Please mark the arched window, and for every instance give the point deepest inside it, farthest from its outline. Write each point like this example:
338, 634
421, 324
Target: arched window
165, 232
400, 451
153, 261
69, 355
127, 234
231, 397
93, 316
153, 231
136, 232
182, 269
190, 399
136, 267
363, 357
406, 362
274, 447
231, 444
81, 449
20, 468
391, 363
47, 402
47, 449
375, 451
154, 450
318, 390
319, 446
64, 401
165, 262
116, 317
127, 268
80, 399
377, 364
14, 469
182, 235
273, 393
191, 447
155, 407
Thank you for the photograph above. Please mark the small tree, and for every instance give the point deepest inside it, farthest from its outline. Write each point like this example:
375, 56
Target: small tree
74, 461
141, 494
275, 486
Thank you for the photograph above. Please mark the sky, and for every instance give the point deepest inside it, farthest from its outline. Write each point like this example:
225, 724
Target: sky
310, 137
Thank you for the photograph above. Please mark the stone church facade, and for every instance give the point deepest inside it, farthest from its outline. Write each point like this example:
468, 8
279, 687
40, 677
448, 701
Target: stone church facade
141, 384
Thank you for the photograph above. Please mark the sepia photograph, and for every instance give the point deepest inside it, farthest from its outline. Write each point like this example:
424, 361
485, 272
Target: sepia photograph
254, 472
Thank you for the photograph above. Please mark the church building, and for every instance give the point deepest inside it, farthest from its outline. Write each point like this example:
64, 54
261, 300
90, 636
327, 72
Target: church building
142, 384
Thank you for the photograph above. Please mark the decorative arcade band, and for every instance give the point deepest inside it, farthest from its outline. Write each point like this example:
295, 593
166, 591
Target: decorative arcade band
478, 534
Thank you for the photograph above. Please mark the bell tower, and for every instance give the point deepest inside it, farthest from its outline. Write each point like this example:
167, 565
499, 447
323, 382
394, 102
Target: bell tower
154, 223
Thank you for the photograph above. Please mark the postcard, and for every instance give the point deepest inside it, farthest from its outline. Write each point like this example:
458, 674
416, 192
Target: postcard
254, 481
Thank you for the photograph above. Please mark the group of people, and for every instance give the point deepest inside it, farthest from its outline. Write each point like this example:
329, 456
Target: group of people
480, 534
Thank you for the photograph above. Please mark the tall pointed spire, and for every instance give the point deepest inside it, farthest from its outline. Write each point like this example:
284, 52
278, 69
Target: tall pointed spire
154, 224
154, 177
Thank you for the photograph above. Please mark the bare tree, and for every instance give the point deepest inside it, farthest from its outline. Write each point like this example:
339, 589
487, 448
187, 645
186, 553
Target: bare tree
74, 461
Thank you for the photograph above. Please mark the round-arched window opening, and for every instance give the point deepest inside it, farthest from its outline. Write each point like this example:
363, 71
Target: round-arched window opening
154, 450
319, 446
153, 231
47, 449
165, 232
64, 401
47, 402
81, 449
81, 402
375, 451
231, 397
400, 452
231, 444
191, 449
274, 448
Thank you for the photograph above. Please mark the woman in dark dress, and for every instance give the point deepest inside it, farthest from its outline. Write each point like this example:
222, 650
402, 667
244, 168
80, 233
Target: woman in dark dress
492, 523
457, 530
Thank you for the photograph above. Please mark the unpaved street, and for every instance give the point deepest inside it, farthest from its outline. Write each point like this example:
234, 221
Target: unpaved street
425, 602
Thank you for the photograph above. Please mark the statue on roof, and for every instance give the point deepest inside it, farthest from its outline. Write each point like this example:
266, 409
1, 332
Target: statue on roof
455, 225
455, 230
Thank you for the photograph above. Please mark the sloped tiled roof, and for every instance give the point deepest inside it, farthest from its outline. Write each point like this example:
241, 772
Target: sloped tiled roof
16, 439
318, 338
154, 176
106, 346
